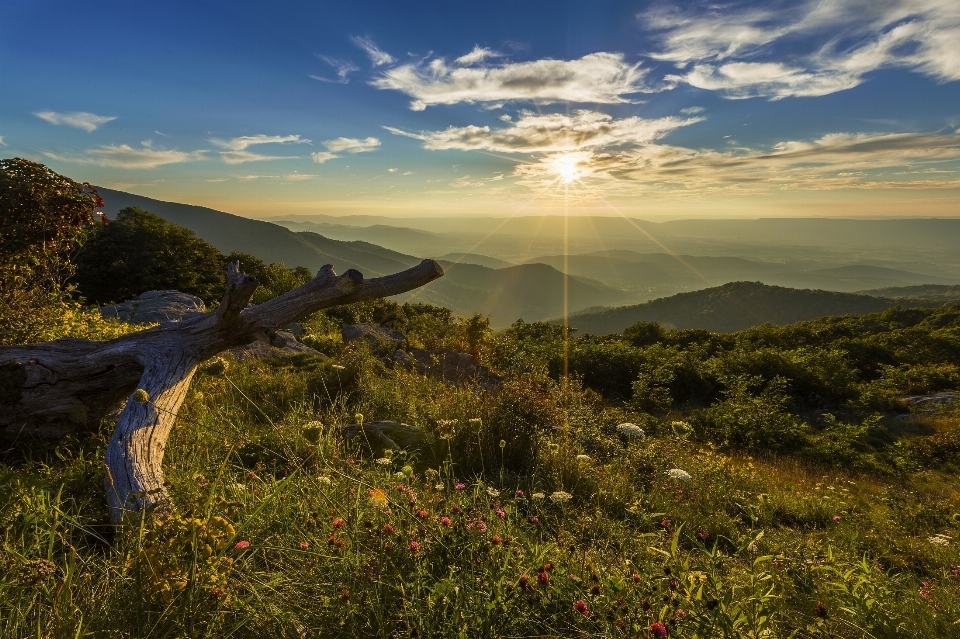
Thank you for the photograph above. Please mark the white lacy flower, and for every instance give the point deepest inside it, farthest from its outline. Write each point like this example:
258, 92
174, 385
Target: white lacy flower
538, 495
323, 479
630, 430
583, 458
679, 475
493, 492
560, 497
439, 487
399, 474
383, 461
939, 540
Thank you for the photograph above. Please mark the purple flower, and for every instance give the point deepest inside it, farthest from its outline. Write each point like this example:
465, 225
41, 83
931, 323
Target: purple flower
535, 520
460, 486
501, 514
482, 527
836, 517
519, 493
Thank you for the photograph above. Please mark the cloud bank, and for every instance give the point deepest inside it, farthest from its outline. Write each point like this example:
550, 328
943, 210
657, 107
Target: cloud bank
236, 152
600, 78
127, 157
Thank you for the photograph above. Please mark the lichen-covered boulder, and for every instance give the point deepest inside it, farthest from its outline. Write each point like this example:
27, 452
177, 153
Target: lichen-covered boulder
376, 335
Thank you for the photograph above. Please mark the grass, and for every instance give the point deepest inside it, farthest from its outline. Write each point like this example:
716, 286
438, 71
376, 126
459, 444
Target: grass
281, 532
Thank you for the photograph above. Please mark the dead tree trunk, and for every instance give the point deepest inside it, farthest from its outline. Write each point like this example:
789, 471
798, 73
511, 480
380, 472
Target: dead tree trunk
69, 384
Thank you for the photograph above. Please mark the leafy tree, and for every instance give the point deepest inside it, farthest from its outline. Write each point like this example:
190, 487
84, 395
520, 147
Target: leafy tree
644, 333
43, 220
140, 252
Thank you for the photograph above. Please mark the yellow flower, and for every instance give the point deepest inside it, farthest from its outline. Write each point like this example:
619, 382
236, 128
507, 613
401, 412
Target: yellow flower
378, 497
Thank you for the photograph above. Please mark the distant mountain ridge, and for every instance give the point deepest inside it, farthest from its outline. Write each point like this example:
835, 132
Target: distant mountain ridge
732, 307
531, 291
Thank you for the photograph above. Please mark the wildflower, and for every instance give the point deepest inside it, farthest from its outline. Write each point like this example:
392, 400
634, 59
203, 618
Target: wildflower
501, 514
679, 475
335, 541
581, 607
337, 367
387, 528
658, 630
338, 523
939, 540
631, 430
460, 486
399, 474
665, 523
493, 492
378, 497
358, 418
821, 610
534, 520
583, 458
382, 461
503, 443
519, 493
438, 487
595, 589
455, 509
323, 479
573, 577
414, 546
422, 514
538, 495
445, 521
495, 540
560, 497
304, 545
543, 578
836, 517
681, 429
482, 527
141, 396
240, 545
407, 470
524, 581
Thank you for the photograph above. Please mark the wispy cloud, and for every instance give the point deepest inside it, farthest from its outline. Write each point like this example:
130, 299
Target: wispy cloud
599, 78
127, 157
322, 156
89, 122
550, 133
236, 152
479, 54
352, 145
341, 66
832, 44
377, 56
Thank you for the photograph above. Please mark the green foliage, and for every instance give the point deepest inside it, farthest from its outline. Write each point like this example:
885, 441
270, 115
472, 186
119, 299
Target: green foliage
44, 218
139, 252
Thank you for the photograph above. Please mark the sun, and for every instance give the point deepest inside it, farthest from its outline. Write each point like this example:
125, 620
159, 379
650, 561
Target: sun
567, 167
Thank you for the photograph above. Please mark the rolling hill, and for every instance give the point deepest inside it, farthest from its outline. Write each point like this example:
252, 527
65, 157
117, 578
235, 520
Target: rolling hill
932, 292
529, 291
731, 307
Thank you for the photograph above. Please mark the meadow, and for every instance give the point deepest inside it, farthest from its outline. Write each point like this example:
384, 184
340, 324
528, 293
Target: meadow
651, 484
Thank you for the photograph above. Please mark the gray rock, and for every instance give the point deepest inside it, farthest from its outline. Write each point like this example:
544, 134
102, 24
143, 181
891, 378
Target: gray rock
283, 345
453, 367
929, 403
376, 335
156, 306
297, 329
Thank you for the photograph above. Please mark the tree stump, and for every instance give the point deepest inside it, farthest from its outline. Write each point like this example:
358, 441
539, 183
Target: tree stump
70, 384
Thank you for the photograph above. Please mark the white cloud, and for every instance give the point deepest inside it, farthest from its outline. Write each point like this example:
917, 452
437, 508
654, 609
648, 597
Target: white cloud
550, 133
692, 110
392, 170
89, 122
237, 153
342, 66
242, 142
377, 56
603, 78
479, 54
124, 156
352, 145
322, 156
2, 143
833, 44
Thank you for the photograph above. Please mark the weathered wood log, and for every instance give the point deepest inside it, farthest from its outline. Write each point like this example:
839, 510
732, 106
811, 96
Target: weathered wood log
70, 384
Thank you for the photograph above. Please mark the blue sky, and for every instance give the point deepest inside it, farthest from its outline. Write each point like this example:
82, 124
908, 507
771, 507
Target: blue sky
828, 107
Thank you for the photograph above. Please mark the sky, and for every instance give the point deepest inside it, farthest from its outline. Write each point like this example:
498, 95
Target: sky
647, 109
